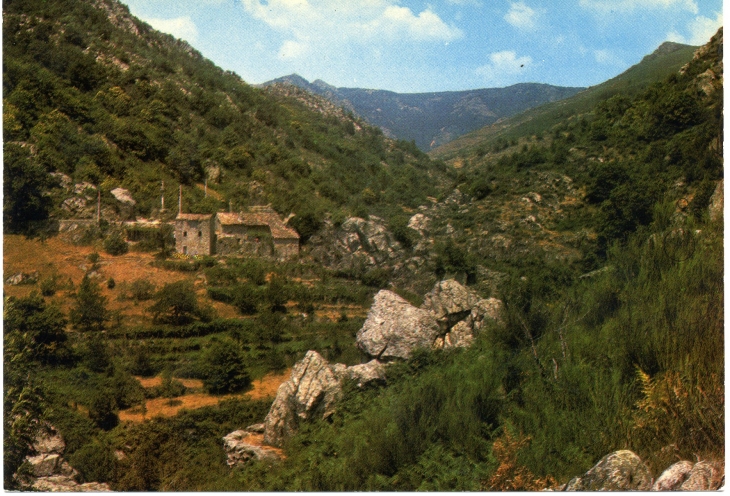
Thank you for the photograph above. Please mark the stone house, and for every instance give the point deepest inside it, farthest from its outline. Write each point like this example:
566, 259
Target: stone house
194, 234
258, 231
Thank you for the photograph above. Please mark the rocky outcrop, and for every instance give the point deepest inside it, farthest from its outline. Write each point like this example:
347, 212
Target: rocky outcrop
51, 470
461, 313
619, 471
704, 476
451, 316
312, 390
357, 242
394, 328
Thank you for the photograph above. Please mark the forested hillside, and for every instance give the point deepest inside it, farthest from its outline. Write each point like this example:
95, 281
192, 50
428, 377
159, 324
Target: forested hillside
595, 239
93, 93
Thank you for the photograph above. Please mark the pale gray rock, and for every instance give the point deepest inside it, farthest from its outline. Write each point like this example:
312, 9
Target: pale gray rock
256, 428
312, 390
394, 328
717, 201
22, 278
47, 464
460, 313
242, 446
48, 440
123, 196
366, 373
673, 477
619, 471
704, 476
63, 180
419, 222
66, 484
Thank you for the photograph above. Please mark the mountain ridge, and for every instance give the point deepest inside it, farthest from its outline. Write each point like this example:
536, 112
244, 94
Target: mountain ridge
432, 118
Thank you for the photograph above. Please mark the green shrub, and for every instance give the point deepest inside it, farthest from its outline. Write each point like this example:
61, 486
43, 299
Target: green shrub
115, 244
225, 371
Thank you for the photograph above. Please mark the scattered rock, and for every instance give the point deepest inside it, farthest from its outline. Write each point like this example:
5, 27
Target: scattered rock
394, 328
717, 201
63, 180
242, 446
673, 477
22, 278
619, 471
256, 428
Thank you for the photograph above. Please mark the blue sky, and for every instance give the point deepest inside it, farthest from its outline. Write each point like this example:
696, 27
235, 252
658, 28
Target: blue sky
439, 45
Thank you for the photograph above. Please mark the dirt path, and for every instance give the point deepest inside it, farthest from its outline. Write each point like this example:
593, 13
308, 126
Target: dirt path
263, 388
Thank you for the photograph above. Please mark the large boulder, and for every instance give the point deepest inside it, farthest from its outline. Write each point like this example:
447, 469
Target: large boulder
125, 203
461, 313
394, 328
619, 471
312, 391
673, 477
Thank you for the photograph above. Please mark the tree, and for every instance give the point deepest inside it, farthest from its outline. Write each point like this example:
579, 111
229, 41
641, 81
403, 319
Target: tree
225, 369
90, 312
24, 188
115, 244
44, 325
23, 407
176, 303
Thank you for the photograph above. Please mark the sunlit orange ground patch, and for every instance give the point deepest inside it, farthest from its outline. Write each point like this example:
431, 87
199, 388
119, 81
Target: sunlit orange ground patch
263, 388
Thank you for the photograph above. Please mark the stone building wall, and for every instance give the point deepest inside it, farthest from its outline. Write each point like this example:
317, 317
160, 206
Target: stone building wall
194, 234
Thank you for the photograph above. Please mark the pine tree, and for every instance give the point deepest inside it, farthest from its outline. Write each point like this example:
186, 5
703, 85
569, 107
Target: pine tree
90, 312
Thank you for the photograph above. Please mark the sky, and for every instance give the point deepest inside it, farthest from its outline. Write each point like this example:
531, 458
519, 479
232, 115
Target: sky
414, 46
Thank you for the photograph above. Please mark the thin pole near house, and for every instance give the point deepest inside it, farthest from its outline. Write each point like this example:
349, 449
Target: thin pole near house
162, 197
179, 201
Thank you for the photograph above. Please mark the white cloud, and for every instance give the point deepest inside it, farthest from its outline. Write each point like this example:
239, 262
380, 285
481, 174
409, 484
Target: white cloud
606, 6
322, 25
180, 27
521, 16
503, 66
607, 57
700, 30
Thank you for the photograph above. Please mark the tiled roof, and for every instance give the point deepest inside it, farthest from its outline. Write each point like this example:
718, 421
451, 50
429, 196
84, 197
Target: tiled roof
193, 216
259, 218
227, 219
